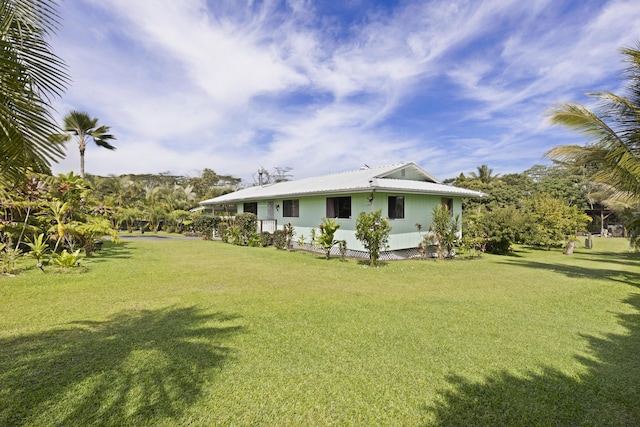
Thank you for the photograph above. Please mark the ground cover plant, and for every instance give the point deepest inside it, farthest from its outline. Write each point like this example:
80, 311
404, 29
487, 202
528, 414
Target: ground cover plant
193, 332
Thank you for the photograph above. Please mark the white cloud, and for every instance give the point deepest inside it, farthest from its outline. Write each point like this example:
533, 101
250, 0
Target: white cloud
235, 85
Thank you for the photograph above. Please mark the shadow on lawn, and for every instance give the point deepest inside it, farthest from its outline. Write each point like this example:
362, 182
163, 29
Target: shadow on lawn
630, 277
606, 394
135, 368
111, 250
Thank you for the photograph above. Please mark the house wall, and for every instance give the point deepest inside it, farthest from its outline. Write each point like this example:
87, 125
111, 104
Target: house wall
404, 234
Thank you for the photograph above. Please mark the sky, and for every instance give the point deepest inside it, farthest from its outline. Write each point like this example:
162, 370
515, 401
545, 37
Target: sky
328, 86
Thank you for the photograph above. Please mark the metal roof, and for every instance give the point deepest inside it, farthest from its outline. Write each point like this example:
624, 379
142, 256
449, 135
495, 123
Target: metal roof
384, 178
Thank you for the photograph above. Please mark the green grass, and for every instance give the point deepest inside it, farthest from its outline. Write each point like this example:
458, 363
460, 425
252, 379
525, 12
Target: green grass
191, 332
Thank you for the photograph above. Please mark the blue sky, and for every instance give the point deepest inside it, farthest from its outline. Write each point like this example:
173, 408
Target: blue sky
327, 86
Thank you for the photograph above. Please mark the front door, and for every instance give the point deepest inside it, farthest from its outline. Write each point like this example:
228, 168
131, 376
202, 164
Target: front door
270, 214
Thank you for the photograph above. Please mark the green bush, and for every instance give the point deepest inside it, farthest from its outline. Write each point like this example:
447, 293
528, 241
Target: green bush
373, 231
255, 240
247, 224
222, 230
205, 224
288, 229
328, 228
280, 239
266, 239
67, 259
235, 235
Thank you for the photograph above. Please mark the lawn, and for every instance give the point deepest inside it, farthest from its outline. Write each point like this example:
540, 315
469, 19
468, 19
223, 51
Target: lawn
191, 332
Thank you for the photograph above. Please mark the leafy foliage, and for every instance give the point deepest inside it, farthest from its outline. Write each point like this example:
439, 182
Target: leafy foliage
445, 231
39, 247
8, 258
611, 129
205, 224
67, 259
247, 224
31, 75
550, 221
632, 223
280, 239
266, 239
326, 240
84, 128
290, 232
373, 231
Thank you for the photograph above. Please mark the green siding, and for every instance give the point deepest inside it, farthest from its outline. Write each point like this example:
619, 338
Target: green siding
404, 234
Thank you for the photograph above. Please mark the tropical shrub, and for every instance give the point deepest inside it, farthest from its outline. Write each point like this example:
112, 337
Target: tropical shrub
255, 240
247, 224
39, 247
88, 234
222, 230
8, 258
326, 240
205, 224
235, 235
301, 241
373, 231
445, 231
632, 224
67, 259
290, 232
266, 239
280, 239
551, 222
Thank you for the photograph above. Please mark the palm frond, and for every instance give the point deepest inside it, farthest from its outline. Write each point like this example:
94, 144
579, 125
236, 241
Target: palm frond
30, 76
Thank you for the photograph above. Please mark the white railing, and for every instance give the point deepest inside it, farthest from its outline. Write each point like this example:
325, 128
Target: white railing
269, 225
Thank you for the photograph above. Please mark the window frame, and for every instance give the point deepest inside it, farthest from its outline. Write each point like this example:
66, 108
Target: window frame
447, 202
291, 208
392, 207
339, 207
250, 204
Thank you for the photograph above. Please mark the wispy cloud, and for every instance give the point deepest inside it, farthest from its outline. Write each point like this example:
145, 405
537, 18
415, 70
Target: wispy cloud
233, 85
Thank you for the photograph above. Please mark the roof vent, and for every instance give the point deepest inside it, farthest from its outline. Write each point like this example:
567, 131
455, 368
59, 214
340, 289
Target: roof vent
364, 167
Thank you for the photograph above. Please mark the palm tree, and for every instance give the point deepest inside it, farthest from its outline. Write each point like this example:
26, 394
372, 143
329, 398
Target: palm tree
613, 132
30, 76
484, 174
83, 127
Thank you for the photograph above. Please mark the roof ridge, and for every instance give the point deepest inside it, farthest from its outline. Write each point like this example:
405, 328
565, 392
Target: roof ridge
397, 164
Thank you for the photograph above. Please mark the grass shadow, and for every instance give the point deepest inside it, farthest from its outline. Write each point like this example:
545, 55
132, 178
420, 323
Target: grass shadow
606, 394
136, 368
581, 272
111, 250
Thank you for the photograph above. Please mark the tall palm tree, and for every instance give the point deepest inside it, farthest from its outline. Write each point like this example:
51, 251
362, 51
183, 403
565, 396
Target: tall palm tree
613, 132
84, 128
30, 76
484, 174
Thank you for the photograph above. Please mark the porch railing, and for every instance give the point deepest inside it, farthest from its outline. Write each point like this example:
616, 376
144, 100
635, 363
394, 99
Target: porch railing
269, 225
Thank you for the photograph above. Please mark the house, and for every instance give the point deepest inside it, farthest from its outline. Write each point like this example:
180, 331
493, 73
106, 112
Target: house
406, 193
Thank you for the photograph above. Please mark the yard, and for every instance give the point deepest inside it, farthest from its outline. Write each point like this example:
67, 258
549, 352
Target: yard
192, 332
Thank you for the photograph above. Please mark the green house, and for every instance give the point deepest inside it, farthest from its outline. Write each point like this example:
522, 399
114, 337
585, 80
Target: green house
406, 193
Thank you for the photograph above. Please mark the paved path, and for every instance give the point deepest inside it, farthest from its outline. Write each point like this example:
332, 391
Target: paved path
152, 236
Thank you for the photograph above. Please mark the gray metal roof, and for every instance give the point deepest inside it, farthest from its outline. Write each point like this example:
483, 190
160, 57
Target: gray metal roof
385, 178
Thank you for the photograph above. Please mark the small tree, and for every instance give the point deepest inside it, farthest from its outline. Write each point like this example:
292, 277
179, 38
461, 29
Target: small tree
39, 247
445, 229
373, 231
552, 222
205, 224
290, 232
247, 224
328, 229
